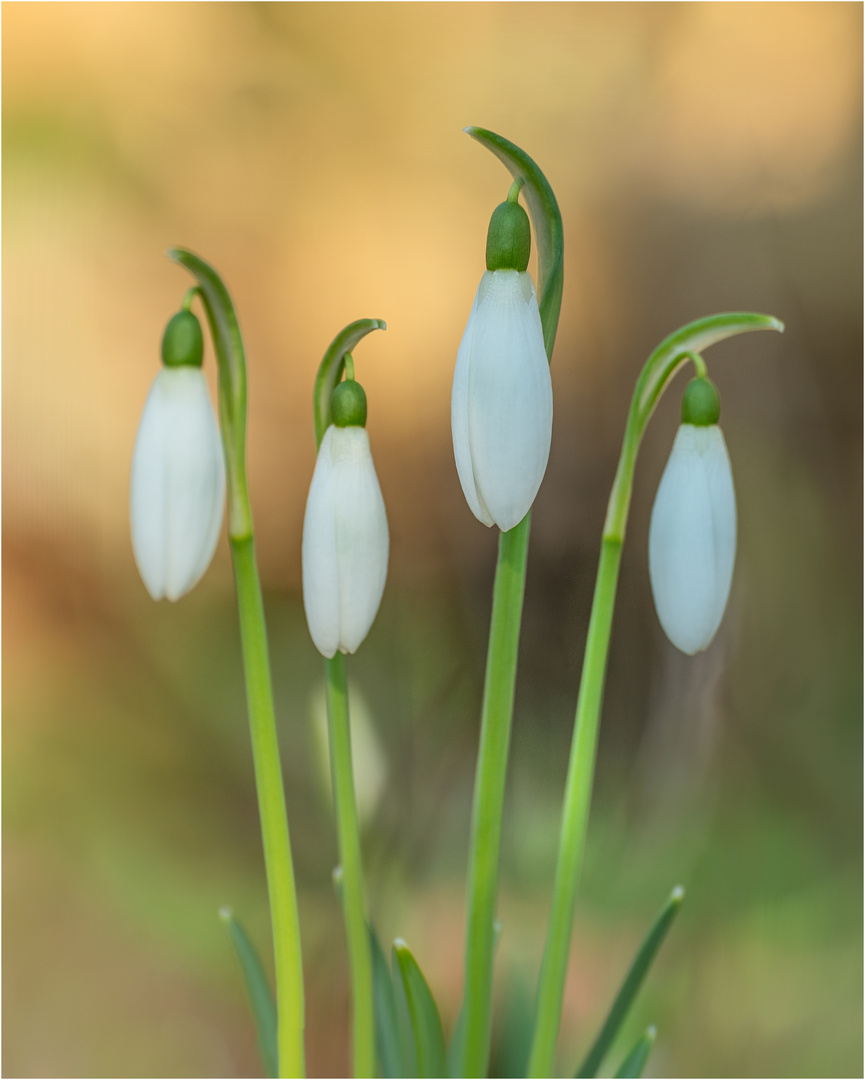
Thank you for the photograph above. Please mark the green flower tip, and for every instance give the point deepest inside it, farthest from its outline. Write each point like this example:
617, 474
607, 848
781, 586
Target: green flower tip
701, 404
509, 238
348, 404
226, 914
677, 895
182, 343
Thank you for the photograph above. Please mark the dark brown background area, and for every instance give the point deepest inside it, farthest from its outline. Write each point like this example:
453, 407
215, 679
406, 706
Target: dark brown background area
706, 157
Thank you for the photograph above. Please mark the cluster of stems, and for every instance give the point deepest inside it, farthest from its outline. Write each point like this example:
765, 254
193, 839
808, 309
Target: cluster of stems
473, 1041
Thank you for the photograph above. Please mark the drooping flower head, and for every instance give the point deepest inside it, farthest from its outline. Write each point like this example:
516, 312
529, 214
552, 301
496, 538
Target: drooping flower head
502, 399
177, 490
692, 536
345, 534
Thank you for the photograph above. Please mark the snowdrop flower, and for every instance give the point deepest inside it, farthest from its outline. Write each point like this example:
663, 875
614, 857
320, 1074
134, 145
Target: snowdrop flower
502, 400
177, 493
692, 537
345, 536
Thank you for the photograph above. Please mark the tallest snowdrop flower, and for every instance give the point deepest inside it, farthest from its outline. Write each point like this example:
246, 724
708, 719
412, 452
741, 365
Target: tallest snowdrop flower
345, 536
502, 400
692, 536
177, 491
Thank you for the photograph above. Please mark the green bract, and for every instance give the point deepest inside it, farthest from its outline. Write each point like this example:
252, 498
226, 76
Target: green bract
348, 404
182, 343
509, 237
701, 404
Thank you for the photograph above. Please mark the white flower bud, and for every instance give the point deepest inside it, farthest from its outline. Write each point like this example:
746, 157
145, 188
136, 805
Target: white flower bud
177, 492
692, 538
345, 542
502, 401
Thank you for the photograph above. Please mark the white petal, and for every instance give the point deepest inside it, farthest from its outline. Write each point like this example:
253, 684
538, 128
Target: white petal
362, 541
320, 575
460, 421
345, 543
692, 538
510, 397
177, 494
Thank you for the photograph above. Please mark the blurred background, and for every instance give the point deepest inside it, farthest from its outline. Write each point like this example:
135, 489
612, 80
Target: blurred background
706, 157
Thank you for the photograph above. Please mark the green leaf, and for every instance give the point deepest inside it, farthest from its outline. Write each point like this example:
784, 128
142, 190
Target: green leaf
635, 1062
425, 1021
633, 980
547, 220
395, 1051
232, 384
455, 1047
258, 989
661, 366
513, 1041
331, 368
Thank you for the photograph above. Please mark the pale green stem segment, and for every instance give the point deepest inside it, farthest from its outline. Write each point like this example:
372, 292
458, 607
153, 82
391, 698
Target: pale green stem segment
253, 633
674, 351
348, 832
501, 670
699, 364
515, 189
336, 360
271, 804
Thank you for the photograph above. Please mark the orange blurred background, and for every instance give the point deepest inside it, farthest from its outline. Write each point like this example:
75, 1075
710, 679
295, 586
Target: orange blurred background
706, 157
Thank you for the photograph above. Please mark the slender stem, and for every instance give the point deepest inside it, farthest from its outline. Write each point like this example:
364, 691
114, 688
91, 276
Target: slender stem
348, 831
576, 812
515, 189
271, 802
490, 794
699, 364
682, 345
188, 297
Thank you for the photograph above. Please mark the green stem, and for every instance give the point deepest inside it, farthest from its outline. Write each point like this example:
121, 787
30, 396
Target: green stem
577, 798
231, 363
490, 795
504, 641
683, 345
348, 832
271, 802
515, 189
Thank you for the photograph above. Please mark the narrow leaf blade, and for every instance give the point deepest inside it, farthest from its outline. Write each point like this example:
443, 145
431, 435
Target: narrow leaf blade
425, 1019
633, 980
258, 989
547, 220
330, 370
455, 1049
635, 1062
387, 1029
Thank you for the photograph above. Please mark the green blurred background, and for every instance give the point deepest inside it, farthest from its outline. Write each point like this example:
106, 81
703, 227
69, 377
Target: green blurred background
706, 157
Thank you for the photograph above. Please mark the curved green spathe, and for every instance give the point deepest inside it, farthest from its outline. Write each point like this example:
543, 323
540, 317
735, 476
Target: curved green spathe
547, 220
232, 384
662, 365
331, 368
